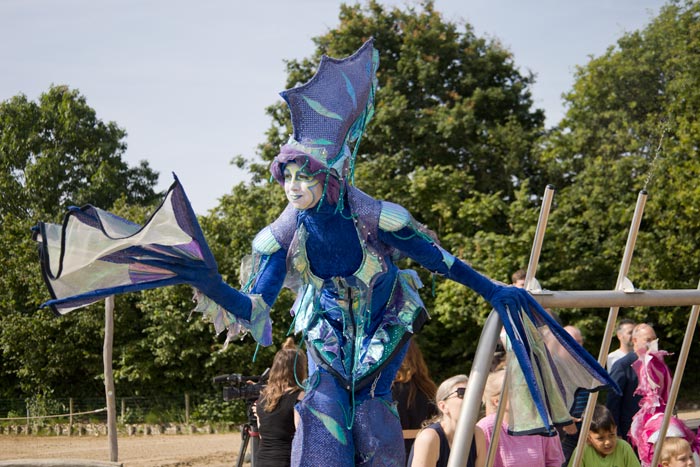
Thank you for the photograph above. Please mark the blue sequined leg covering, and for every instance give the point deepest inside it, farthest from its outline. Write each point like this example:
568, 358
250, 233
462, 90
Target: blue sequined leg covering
377, 434
322, 437
374, 437
377, 428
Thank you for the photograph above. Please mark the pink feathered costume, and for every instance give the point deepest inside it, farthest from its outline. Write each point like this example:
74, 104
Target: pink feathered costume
654, 384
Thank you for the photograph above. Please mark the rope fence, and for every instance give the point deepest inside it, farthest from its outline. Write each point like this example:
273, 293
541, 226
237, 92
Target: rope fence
195, 408
36, 417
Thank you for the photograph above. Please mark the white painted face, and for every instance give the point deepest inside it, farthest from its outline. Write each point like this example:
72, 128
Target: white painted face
303, 191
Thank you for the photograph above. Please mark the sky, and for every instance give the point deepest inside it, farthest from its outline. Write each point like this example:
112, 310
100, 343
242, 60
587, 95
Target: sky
189, 81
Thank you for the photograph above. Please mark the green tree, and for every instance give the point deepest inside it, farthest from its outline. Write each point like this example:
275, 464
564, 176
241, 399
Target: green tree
56, 153
632, 124
53, 153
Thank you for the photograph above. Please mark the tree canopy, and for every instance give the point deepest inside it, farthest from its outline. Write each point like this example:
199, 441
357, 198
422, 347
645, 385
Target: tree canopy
455, 139
56, 153
631, 125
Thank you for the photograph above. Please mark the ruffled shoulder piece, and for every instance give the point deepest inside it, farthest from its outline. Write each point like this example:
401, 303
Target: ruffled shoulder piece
265, 242
283, 228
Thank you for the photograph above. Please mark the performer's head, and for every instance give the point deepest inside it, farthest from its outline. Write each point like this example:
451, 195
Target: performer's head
304, 178
329, 114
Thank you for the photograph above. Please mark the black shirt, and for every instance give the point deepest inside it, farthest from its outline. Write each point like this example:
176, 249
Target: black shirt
276, 432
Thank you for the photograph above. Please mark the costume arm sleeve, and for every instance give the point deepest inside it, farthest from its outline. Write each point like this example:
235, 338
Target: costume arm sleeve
250, 310
269, 280
436, 259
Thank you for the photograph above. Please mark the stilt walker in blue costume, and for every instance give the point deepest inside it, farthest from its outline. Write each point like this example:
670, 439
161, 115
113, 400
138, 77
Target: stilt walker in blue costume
336, 247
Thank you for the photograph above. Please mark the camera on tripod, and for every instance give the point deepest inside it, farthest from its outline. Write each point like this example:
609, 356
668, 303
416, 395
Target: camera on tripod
246, 388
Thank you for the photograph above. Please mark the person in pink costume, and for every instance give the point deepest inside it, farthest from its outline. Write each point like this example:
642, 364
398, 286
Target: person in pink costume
654, 385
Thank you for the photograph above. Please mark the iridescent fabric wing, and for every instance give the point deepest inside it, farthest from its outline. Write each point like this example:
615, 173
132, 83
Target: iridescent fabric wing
548, 368
94, 253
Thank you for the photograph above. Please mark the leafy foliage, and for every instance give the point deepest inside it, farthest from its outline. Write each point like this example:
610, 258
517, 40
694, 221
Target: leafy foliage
632, 125
455, 139
53, 153
57, 153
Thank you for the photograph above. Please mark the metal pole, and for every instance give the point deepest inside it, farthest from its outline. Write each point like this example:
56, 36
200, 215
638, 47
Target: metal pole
617, 298
109, 379
612, 319
464, 432
677, 378
539, 236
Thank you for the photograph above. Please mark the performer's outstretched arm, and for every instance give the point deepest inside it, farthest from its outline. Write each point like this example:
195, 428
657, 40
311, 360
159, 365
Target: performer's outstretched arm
428, 254
551, 385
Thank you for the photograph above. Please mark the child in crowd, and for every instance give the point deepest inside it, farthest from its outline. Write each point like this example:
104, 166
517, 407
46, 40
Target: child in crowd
604, 448
676, 453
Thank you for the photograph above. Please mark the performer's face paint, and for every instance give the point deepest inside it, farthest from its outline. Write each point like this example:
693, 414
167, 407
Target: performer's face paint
303, 191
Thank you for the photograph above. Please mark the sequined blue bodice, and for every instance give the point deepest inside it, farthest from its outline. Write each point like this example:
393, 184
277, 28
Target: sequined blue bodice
354, 305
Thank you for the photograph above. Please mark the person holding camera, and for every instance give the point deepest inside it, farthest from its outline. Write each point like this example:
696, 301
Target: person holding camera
275, 412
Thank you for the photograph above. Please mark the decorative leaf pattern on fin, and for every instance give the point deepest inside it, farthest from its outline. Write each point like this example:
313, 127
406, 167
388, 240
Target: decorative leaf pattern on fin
331, 425
320, 109
351, 90
322, 142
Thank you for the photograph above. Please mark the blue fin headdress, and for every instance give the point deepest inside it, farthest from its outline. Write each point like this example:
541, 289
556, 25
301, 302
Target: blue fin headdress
329, 114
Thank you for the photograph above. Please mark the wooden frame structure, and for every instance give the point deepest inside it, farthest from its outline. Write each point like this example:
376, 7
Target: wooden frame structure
624, 294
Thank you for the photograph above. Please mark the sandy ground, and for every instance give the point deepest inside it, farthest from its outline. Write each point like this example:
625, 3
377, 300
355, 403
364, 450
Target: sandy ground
199, 450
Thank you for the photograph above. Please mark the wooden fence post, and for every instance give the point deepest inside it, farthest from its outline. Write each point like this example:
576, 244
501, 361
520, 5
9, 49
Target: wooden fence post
109, 379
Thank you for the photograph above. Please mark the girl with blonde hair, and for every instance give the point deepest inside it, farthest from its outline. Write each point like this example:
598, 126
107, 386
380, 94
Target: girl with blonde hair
530, 450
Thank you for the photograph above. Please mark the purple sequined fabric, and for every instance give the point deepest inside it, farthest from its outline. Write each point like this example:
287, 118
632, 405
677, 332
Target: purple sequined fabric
340, 94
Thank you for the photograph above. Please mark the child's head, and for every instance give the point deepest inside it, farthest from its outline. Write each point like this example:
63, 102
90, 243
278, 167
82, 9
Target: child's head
603, 432
676, 453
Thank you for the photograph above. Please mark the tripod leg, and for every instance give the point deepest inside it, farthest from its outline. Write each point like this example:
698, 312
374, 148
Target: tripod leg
245, 436
254, 436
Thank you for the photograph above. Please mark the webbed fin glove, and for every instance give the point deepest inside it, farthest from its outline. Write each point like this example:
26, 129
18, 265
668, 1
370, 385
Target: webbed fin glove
549, 362
94, 254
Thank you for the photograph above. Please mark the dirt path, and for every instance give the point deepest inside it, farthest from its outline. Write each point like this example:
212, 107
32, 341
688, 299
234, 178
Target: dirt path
201, 450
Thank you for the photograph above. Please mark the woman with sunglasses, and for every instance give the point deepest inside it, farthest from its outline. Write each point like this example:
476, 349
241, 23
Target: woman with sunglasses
433, 443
